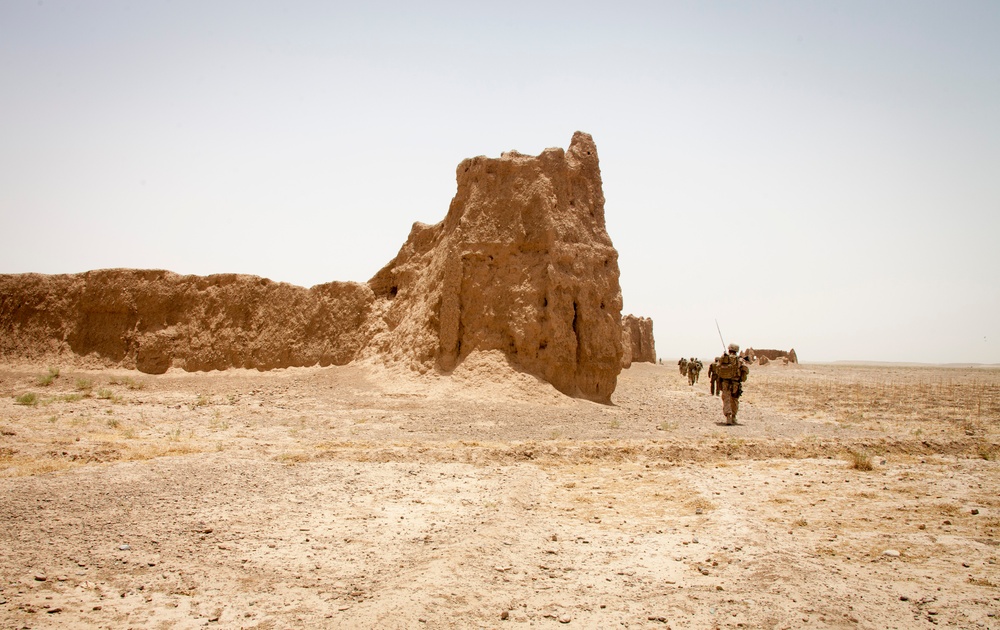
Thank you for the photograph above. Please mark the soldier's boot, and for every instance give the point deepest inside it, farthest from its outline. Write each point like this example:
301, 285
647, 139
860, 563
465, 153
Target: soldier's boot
729, 419
732, 419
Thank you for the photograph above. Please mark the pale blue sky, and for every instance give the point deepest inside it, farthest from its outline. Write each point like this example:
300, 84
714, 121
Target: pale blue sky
817, 175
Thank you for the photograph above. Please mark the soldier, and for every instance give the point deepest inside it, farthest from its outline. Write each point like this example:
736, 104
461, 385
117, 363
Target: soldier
694, 369
732, 373
713, 377
683, 365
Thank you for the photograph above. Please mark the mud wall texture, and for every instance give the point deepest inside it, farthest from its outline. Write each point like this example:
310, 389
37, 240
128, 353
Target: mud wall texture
637, 341
766, 356
522, 263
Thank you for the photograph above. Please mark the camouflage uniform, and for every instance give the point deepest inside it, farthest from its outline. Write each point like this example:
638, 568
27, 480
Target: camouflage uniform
694, 369
733, 388
683, 365
713, 378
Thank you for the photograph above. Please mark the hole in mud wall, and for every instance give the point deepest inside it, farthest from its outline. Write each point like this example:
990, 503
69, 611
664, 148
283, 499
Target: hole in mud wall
393, 291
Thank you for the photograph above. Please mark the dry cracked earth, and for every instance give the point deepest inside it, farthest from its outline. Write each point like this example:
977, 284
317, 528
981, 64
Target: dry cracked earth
359, 497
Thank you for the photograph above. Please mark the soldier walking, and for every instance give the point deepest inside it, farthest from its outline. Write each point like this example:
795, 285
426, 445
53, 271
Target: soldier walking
683, 365
694, 369
732, 372
713, 377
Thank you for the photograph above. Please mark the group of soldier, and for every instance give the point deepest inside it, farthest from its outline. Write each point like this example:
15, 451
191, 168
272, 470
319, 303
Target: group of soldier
726, 374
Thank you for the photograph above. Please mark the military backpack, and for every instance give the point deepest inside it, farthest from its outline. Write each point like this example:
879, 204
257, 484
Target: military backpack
729, 368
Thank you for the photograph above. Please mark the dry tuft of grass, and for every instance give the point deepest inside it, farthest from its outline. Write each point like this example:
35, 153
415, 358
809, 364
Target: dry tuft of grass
47, 379
292, 458
860, 460
128, 382
29, 399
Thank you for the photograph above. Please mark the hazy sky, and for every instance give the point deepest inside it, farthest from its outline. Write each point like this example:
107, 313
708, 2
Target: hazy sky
816, 175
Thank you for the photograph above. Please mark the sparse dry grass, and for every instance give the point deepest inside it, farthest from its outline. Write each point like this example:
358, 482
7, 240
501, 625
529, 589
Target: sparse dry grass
966, 399
860, 460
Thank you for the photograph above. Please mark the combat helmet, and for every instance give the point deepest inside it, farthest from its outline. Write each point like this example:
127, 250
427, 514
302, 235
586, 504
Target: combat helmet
734, 347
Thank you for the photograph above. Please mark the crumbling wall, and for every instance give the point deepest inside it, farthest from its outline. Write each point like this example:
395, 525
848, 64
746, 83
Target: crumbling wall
765, 356
522, 263
637, 340
151, 320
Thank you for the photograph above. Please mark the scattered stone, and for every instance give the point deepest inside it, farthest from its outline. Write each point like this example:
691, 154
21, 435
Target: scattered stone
565, 619
53, 611
892, 553
698, 511
975, 511
41, 577
124, 547
505, 615
904, 598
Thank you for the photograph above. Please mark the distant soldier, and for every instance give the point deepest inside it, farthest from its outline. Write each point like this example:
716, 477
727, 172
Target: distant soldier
683, 365
732, 372
694, 369
713, 377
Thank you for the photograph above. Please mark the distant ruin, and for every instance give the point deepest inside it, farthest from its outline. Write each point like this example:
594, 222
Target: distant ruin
763, 357
637, 341
522, 263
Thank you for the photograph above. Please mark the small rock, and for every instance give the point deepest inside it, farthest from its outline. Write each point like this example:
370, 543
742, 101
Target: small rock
975, 511
52, 611
698, 511
904, 598
892, 553
124, 547
41, 577
505, 615
565, 619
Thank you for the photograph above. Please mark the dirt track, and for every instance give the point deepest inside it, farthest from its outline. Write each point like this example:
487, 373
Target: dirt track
354, 497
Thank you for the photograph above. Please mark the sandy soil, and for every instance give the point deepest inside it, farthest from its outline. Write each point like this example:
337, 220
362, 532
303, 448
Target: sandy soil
357, 497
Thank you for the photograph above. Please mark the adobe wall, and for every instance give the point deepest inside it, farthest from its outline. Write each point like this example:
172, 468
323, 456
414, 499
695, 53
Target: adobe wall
637, 341
522, 263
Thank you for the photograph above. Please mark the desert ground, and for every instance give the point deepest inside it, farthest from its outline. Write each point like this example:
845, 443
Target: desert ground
847, 496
